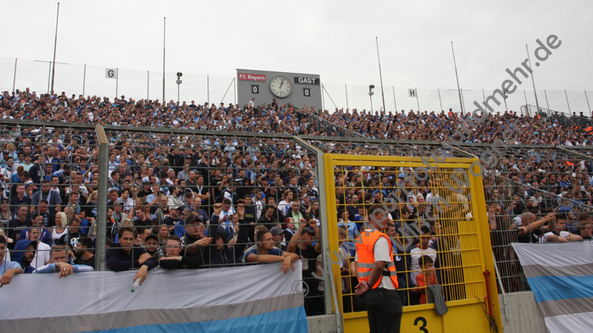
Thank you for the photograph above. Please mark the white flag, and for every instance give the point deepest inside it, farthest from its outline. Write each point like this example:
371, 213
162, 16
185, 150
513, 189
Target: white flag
560, 283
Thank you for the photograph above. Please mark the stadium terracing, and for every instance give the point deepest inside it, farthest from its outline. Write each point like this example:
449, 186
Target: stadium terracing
544, 166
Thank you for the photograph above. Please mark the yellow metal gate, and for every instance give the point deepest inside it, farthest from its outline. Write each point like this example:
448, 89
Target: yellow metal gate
455, 212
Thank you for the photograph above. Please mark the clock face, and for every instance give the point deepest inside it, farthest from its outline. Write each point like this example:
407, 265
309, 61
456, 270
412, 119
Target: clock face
280, 86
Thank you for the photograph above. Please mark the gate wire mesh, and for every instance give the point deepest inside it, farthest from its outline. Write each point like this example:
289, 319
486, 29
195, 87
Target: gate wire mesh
451, 240
536, 179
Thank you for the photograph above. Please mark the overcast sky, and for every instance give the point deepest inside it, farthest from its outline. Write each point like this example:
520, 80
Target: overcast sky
335, 39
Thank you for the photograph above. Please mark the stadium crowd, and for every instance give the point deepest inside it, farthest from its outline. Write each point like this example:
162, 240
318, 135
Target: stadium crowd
285, 118
197, 201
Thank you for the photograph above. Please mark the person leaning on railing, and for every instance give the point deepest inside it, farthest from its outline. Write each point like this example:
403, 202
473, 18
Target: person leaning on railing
528, 226
59, 263
8, 269
125, 255
557, 231
174, 258
265, 252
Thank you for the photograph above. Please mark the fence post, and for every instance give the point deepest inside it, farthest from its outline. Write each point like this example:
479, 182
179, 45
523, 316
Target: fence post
322, 98
116, 83
330, 291
567, 103
394, 100
84, 81
346, 88
14, 77
417, 99
102, 202
588, 106
547, 103
484, 96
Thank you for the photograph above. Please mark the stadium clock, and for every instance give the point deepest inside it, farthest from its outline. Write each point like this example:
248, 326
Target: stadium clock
280, 86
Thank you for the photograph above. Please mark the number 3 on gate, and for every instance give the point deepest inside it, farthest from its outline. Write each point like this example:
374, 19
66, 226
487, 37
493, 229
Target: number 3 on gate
422, 321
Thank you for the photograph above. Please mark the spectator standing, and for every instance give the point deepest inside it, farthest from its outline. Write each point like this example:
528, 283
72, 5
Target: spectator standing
426, 278
264, 252
20, 222
59, 230
125, 255
83, 252
302, 244
377, 276
173, 258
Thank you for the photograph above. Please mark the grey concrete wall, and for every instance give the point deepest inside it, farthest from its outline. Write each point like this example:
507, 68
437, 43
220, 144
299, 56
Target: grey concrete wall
524, 315
322, 324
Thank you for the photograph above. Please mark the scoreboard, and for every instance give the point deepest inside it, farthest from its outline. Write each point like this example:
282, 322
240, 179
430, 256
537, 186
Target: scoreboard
264, 86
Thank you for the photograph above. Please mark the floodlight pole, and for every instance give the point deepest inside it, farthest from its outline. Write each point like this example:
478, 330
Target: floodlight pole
53, 70
532, 80
164, 39
457, 78
380, 75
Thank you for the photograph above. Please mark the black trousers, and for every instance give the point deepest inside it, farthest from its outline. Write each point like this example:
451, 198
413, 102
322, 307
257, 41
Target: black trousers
384, 309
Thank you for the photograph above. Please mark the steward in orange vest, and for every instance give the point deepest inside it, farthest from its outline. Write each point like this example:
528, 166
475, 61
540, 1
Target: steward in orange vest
377, 276
366, 258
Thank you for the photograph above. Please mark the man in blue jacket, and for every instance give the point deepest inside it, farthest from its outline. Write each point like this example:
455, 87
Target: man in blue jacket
24, 251
124, 255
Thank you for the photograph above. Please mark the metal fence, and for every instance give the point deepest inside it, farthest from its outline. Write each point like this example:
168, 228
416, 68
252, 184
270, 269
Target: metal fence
89, 80
138, 84
219, 192
49, 188
536, 179
146, 173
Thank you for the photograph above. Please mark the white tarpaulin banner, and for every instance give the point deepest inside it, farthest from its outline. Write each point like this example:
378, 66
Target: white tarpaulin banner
561, 276
258, 298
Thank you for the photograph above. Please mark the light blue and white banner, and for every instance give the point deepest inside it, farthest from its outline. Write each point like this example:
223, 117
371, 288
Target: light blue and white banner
244, 299
561, 277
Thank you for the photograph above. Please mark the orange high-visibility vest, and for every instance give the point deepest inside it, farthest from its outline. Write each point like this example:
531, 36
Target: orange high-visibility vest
366, 258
